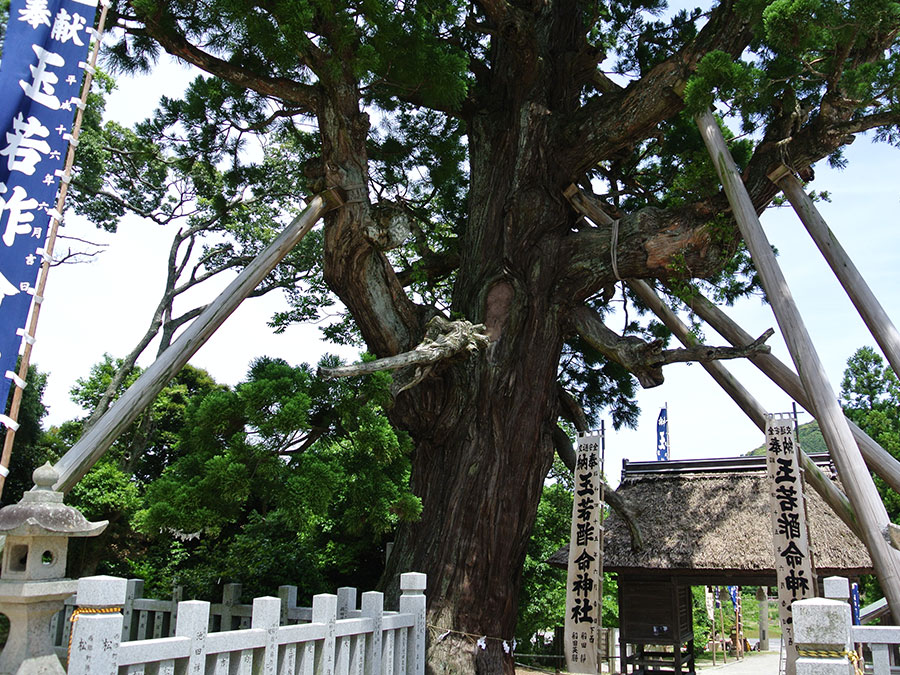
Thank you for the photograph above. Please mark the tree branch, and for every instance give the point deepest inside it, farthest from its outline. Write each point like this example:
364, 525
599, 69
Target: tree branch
443, 340
285, 89
653, 243
495, 10
615, 121
430, 269
646, 359
570, 409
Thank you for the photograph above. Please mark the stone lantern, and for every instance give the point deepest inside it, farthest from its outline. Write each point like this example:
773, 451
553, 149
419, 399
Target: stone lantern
33, 586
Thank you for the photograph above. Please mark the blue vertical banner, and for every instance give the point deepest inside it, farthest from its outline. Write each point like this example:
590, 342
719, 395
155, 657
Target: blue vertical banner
662, 435
733, 592
854, 603
42, 64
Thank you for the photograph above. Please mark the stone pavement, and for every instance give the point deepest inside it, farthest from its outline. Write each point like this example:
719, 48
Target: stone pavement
755, 663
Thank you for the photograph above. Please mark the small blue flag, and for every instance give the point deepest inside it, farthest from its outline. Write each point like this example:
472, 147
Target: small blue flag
40, 80
733, 592
854, 603
662, 436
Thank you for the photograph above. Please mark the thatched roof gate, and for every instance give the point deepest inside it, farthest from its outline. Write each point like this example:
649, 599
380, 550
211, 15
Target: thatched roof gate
703, 522
707, 522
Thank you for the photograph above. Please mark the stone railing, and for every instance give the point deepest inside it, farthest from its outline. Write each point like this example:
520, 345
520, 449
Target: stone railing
339, 639
826, 637
146, 618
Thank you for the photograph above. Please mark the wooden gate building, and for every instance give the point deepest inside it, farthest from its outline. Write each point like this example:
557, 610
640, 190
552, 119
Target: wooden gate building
703, 523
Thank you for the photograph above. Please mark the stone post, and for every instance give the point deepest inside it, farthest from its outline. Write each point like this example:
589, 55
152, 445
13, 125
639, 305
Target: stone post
822, 636
346, 601
837, 588
231, 596
97, 631
412, 584
324, 611
266, 615
373, 608
762, 596
288, 597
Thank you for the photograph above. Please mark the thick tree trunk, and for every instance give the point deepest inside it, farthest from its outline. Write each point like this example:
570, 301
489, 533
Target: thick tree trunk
483, 426
484, 446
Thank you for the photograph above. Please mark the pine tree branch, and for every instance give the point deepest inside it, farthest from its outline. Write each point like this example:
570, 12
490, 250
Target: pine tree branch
301, 95
570, 409
614, 122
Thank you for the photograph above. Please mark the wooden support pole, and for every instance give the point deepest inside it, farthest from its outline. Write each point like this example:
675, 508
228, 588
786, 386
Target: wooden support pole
854, 475
723, 377
82, 456
747, 403
871, 311
878, 459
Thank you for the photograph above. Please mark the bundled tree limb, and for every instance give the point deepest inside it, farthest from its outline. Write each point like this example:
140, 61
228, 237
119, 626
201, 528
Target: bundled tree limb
443, 340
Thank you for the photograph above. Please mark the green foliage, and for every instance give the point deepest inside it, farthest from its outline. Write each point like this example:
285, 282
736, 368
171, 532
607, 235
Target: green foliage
148, 445
803, 49
870, 396
719, 76
4, 19
283, 479
105, 490
542, 601
702, 625
598, 383
286, 478
406, 52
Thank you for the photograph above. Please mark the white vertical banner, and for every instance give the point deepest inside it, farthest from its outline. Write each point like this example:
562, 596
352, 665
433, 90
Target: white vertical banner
584, 581
793, 563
